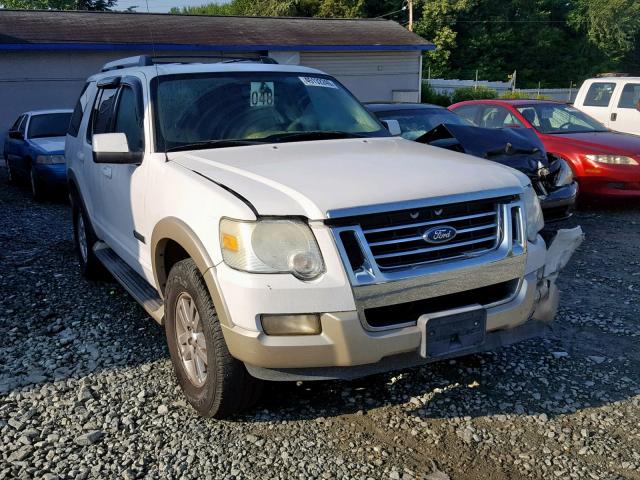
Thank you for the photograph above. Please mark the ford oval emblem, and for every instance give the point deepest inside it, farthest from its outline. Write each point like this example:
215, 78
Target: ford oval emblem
439, 234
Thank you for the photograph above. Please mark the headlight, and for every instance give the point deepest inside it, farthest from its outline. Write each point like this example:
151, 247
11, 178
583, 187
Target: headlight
49, 159
564, 176
612, 159
271, 246
533, 213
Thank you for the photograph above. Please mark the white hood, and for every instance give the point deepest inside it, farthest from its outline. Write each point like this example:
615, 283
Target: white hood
313, 178
50, 144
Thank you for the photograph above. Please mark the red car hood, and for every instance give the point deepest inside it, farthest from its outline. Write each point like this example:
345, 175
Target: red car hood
599, 142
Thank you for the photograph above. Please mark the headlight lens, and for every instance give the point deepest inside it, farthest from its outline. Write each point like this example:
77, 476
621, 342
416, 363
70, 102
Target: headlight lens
533, 212
612, 159
271, 246
49, 159
564, 175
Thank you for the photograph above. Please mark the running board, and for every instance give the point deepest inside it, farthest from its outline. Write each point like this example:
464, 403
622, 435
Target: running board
136, 285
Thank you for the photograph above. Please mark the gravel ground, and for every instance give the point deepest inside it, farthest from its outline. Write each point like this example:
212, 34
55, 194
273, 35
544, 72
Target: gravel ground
87, 389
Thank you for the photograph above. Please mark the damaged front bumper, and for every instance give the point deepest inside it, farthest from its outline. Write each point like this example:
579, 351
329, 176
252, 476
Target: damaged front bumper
346, 350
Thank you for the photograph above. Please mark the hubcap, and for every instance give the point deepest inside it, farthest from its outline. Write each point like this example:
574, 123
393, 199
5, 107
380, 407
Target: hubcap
192, 345
82, 238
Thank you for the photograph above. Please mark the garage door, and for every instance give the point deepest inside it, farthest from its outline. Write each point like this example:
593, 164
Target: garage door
371, 76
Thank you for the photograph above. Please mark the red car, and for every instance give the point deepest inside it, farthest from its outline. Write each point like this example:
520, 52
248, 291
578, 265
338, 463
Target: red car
605, 163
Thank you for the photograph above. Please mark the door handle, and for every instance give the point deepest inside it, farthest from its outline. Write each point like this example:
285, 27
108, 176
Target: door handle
614, 116
106, 171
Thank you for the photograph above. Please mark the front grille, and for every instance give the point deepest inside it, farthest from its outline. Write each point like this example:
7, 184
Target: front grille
396, 238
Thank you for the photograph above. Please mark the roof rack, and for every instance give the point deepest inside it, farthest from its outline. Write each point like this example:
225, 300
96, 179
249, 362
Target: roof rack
148, 60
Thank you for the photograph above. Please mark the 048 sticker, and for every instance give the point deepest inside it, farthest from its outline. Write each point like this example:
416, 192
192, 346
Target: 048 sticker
262, 94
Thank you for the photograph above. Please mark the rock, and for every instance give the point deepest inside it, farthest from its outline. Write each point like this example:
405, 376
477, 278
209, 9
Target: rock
89, 438
163, 409
596, 359
558, 355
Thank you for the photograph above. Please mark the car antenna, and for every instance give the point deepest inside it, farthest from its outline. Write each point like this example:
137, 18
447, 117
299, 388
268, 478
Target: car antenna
155, 64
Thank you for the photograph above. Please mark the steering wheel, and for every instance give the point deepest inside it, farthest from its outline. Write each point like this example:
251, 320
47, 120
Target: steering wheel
565, 126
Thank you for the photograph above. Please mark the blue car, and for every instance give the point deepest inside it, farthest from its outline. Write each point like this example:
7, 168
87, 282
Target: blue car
34, 150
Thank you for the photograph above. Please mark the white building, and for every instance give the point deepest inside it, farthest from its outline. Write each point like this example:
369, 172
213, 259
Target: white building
45, 56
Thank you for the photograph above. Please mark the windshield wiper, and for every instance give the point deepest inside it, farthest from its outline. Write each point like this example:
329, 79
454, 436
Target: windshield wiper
311, 135
213, 144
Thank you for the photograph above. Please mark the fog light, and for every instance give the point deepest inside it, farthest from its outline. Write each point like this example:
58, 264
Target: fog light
306, 324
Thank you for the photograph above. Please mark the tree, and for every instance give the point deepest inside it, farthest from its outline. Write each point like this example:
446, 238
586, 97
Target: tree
278, 8
59, 4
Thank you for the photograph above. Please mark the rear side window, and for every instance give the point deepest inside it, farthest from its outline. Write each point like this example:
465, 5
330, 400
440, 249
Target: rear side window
630, 97
76, 116
127, 121
468, 112
102, 114
599, 94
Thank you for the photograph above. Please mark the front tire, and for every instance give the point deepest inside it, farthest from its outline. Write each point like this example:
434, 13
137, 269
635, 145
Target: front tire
215, 384
84, 240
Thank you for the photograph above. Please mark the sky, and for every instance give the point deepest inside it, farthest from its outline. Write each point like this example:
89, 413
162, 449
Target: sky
159, 5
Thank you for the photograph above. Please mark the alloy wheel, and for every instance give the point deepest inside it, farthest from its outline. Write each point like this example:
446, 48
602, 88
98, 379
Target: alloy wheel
192, 345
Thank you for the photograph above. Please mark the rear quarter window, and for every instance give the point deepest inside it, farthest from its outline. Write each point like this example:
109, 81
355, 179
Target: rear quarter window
599, 94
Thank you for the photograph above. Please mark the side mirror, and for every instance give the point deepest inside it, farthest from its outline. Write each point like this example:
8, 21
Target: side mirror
114, 148
16, 135
393, 126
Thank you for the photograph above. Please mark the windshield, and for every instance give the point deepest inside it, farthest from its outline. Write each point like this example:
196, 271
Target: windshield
49, 125
199, 110
556, 118
415, 123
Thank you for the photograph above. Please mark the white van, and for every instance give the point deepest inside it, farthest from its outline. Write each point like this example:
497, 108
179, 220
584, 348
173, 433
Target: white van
613, 101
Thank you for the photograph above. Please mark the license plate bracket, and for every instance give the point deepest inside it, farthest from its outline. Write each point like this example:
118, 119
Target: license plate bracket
449, 333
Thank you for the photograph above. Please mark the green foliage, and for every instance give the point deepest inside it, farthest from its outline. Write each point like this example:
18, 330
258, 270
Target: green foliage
473, 93
287, 8
517, 95
429, 95
549, 41
59, 4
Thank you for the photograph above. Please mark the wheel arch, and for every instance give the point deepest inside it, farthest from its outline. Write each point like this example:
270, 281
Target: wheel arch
173, 240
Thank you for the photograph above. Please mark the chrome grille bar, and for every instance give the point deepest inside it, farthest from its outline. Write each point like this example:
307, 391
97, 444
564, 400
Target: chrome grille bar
418, 238
434, 249
432, 222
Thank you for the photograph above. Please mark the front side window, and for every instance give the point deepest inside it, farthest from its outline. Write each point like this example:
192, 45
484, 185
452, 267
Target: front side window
599, 94
630, 97
415, 123
127, 121
557, 118
49, 125
196, 110
102, 112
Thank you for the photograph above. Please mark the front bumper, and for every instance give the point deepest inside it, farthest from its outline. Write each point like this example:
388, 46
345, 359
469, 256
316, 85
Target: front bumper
52, 174
621, 181
345, 349
559, 204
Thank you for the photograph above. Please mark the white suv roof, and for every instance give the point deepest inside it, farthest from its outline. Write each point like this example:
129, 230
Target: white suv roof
130, 65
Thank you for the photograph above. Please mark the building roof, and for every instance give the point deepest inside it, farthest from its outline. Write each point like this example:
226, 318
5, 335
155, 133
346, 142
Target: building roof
45, 29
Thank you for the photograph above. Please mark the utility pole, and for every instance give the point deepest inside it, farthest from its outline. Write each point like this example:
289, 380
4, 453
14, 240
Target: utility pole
410, 2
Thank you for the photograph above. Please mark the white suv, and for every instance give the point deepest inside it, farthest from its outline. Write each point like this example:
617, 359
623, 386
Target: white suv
279, 232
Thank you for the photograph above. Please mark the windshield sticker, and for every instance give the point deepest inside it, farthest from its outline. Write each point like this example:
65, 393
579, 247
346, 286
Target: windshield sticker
262, 94
317, 82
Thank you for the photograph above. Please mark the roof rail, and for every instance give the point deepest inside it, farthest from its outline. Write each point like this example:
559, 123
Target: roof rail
148, 60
